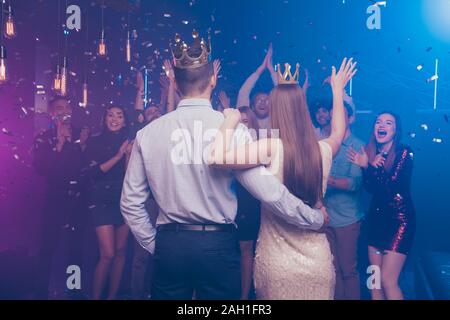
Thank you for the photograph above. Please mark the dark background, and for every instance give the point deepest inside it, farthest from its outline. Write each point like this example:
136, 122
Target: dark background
316, 33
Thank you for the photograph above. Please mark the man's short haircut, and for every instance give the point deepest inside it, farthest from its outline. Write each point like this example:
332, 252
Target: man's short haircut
55, 99
321, 104
320, 97
194, 80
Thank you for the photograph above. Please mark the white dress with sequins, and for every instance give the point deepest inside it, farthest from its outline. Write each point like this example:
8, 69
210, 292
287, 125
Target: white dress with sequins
292, 263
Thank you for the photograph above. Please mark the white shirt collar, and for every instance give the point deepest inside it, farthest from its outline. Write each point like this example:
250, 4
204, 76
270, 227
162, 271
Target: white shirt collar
195, 103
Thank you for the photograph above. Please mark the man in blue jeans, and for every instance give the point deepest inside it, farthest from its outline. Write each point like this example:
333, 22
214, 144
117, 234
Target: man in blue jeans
343, 205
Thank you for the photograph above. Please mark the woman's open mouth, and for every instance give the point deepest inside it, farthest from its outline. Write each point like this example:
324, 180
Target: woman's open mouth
382, 133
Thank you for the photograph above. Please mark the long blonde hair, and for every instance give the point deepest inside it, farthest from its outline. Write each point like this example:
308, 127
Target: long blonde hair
303, 172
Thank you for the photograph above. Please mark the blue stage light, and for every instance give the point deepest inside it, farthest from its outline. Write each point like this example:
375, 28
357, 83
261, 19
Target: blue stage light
437, 17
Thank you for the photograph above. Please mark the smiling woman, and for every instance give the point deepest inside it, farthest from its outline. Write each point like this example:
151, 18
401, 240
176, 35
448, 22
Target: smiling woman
105, 161
39, 181
385, 140
388, 166
115, 119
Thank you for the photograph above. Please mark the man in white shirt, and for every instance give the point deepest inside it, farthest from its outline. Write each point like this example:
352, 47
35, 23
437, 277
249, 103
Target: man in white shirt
194, 244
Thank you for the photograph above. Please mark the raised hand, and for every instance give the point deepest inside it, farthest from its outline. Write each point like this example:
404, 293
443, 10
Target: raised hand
217, 67
327, 80
140, 81
306, 83
63, 133
269, 57
164, 82
167, 67
224, 100
263, 65
232, 115
361, 158
348, 99
340, 79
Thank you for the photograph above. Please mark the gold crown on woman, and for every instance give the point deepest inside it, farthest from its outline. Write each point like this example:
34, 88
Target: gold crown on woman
287, 77
194, 56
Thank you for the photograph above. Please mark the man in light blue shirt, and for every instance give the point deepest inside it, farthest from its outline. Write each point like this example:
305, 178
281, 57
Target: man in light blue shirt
343, 204
195, 244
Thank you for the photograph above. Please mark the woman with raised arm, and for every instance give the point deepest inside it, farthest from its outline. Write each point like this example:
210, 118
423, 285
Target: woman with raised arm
387, 168
172, 95
291, 263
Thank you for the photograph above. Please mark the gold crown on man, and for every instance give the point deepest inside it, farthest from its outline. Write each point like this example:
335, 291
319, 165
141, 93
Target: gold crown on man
194, 56
287, 77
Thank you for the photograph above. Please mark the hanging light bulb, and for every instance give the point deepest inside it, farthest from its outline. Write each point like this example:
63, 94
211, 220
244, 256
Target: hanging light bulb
102, 51
64, 77
57, 80
128, 48
56, 85
102, 45
10, 26
85, 95
3, 69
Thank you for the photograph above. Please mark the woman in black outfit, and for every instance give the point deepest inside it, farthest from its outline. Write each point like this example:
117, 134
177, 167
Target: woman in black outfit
248, 217
388, 166
106, 159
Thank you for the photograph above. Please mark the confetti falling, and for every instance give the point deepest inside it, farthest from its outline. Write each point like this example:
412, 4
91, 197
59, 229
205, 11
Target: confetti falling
405, 71
161, 25
433, 78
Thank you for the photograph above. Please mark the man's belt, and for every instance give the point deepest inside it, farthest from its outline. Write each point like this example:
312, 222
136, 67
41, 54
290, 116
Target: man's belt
197, 227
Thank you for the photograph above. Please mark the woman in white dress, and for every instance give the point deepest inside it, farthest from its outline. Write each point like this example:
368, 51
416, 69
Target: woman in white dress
291, 263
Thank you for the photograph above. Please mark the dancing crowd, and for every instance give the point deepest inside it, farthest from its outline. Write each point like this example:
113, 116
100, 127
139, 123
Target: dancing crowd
273, 210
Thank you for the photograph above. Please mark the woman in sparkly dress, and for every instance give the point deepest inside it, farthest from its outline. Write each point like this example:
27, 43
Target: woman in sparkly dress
291, 263
388, 168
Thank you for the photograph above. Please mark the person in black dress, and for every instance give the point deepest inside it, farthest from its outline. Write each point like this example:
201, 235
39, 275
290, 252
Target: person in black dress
388, 166
105, 159
248, 217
